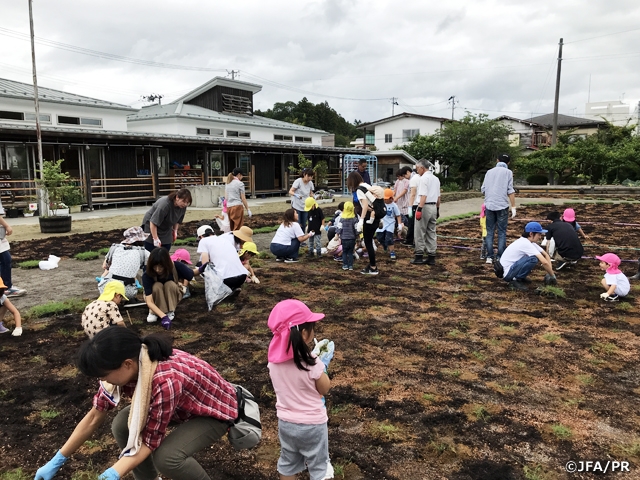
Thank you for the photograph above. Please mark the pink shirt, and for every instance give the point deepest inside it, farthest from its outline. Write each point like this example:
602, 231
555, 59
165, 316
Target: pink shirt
298, 400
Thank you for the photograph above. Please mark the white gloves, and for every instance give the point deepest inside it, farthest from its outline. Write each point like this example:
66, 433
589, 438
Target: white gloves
249, 213
604, 295
311, 234
157, 242
359, 225
544, 242
400, 227
324, 350
513, 212
254, 279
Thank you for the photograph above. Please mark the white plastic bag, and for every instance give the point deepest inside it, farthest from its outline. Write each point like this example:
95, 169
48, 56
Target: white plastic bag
214, 289
49, 264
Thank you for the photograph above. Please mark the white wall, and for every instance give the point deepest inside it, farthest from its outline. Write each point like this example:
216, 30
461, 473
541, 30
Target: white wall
395, 127
112, 119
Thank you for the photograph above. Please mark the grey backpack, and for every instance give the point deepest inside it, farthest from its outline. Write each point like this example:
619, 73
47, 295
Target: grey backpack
245, 431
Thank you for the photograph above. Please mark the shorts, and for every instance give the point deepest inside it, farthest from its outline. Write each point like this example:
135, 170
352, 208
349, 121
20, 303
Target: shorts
303, 447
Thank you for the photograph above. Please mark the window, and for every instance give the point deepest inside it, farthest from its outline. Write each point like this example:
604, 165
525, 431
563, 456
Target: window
218, 132
283, 138
388, 138
370, 138
163, 161
303, 139
407, 135
28, 117
11, 115
87, 122
31, 117
236, 133
143, 161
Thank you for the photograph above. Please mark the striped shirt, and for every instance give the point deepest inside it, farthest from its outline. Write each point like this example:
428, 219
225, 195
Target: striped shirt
402, 185
182, 387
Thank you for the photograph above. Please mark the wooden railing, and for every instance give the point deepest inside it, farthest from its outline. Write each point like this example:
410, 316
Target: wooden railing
17, 193
110, 190
334, 182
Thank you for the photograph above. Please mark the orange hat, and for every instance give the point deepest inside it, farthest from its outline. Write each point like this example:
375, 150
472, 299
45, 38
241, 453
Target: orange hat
388, 193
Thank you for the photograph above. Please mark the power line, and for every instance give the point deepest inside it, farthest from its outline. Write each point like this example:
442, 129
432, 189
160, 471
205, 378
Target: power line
605, 35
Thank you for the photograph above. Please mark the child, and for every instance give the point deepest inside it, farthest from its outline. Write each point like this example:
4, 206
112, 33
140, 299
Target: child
249, 249
569, 216
483, 227
300, 381
334, 223
103, 312
183, 256
348, 235
6, 305
614, 282
315, 225
223, 220
384, 234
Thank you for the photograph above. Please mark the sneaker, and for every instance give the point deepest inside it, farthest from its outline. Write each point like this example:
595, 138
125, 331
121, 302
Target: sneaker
350, 269
290, 260
279, 259
337, 258
310, 255
329, 473
518, 285
152, 317
187, 294
489, 261
392, 256
14, 291
17, 332
561, 265
612, 298
344, 267
235, 293
369, 271
171, 315
3, 329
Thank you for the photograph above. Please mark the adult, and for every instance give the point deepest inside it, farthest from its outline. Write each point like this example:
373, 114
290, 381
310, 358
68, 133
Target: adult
236, 199
223, 257
363, 171
356, 184
498, 195
181, 390
286, 242
237, 238
124, 261
164, 283
414, 182
427, 213
5, 258
163, 219
401, 192
302, 189
521, 256
563, 240
104, 312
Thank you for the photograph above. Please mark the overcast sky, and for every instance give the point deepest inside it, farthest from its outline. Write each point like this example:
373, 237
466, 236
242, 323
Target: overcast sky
494, 56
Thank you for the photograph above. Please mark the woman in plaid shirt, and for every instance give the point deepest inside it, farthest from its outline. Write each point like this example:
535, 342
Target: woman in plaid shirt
183, 390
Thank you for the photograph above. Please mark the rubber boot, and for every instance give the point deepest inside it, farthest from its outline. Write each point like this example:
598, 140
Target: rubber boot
418, 259
431, 260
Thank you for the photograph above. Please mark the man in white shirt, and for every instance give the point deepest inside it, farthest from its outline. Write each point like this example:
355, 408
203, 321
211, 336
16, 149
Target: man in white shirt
426, 215
414, 181
521, 256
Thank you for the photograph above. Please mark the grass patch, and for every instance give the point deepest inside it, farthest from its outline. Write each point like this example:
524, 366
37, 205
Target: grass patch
600, 348
481, 413
551, 291
429, 397
73, 305
185, 241
84, 256
624, 306
386, 430
457, 217
49, 414
560, 431
586, 379
478, 355
104, 250
269, 229
454, 333
551, 337
534, 473
264, 255
29, 264
507, 328
16, 474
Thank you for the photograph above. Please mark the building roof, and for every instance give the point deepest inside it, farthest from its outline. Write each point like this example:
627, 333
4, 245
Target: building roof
401, 115
395, 153
13, 89
185, 110
566, 121
219, 81
527, 122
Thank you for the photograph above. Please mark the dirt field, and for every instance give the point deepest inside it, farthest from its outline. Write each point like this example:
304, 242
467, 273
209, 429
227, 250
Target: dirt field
439, 372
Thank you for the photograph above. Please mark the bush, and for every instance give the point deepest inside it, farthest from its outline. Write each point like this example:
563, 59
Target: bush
450, 187
537, 179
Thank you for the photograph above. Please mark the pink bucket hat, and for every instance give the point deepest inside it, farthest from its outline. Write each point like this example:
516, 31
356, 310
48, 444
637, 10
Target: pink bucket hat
569, 215
287, 314
181, 254
613, 260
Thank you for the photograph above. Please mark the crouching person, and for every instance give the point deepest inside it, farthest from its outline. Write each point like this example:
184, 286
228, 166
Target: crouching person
104, 312
615, 283
168, 386
521, 256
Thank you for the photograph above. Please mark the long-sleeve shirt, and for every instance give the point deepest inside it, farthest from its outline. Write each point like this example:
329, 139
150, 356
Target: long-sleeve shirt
497, 186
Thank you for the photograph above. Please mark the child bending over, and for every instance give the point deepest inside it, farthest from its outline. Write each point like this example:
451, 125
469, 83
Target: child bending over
248, 251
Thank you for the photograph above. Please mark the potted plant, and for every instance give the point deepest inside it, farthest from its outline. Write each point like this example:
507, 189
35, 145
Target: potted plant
54, 184
73, 198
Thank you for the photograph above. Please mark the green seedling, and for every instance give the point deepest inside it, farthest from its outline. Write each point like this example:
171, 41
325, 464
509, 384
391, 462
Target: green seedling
84, 256
562, 432
481, 413
16, 474
104, 250
585, 379
604, 348
478, 355
534, 473
507, 328
551, 337
429, 397
29, 264
49, 414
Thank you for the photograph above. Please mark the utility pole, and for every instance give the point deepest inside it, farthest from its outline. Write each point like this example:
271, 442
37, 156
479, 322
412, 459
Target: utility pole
554, 133
638, 126
233, 73
393, 104
42, 206
452, 99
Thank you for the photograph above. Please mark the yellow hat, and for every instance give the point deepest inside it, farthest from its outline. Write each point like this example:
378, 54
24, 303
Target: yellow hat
249, 247
309, 203
110, 290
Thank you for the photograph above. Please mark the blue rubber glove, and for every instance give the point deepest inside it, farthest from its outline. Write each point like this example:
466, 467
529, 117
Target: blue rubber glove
326, 356
48, 471
109, 474
166, 323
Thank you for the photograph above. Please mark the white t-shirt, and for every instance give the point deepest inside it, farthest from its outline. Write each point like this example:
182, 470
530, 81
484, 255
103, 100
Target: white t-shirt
621, 282
223, 255
429, 187
522, 247
284, 235
414, 182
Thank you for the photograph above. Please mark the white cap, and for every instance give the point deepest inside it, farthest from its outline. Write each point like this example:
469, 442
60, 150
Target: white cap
203, 230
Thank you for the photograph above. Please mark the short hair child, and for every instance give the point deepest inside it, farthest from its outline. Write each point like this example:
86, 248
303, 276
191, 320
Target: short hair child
384, 234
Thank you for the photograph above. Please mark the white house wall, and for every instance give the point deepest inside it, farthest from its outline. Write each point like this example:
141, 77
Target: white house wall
112, 119
396, 126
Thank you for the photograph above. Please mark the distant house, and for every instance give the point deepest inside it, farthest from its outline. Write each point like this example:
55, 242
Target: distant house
614, 111
117, 153
398, 130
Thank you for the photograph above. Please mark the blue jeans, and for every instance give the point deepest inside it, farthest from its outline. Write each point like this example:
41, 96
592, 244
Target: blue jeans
385, 238
499, 218
315, 243
303, 217
521, 269
348, 247
286, 251
5, 268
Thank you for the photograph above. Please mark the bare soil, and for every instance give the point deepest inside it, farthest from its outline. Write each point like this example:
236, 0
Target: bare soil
440, 372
